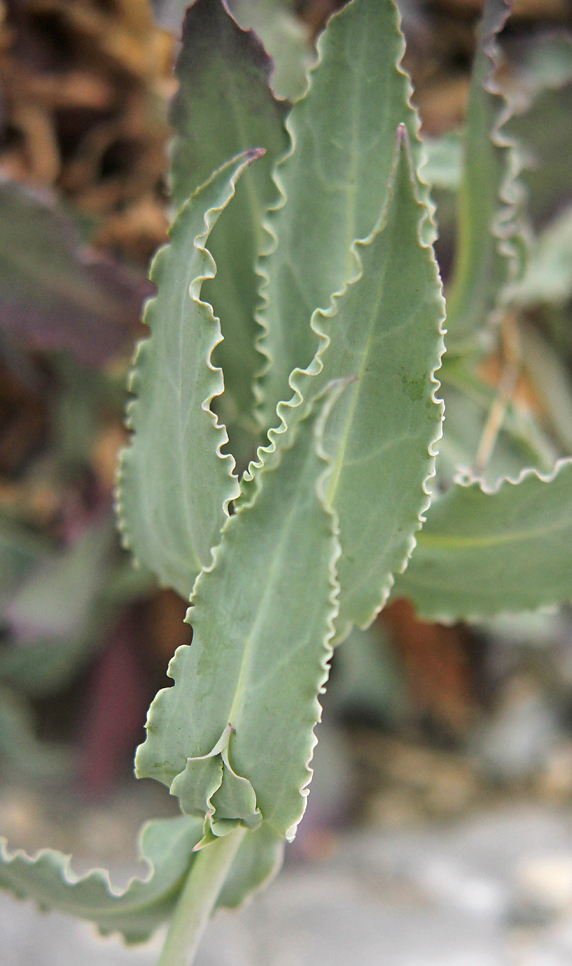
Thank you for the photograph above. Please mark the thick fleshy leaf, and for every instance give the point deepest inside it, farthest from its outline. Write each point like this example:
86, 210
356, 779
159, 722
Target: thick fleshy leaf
482, 553
55, 293
384, 336
333, 182
248, 686
225, 106
491, 241
166, 845
174, 484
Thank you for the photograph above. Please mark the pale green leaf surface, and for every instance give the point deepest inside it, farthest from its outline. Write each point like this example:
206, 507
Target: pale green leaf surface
333, 183
287, 39
550, 375
520, 443
257, 862
483, 553
235, 800
57, 597
136, 911
174, 484
548, 277
491, 243
444, 161
542, 122
383, 336
167, 846
225, 106
260, 641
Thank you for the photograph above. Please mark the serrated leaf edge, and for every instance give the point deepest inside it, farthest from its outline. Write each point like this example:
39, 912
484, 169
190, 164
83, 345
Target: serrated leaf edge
470, 481
299, 376
260, 469
70, 878
510, 226
271, 215
216, 387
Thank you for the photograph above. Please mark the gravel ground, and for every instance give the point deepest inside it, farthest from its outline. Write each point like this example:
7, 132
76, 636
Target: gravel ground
492, 890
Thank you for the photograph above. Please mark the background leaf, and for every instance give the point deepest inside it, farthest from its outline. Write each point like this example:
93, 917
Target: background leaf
483, 553
55, 292
490, 248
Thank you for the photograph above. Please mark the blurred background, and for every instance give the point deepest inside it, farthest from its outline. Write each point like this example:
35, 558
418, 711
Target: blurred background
439, 829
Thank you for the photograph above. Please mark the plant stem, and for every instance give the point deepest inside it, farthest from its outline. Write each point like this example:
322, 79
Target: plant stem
197, 899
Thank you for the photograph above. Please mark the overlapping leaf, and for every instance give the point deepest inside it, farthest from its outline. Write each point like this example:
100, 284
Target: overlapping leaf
491, 240
174, 484
225, 106
246, 690
333, 182
285, 36
166, 845
482, 553
519, 444
383, 335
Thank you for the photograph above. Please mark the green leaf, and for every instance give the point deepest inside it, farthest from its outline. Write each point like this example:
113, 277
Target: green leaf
20, 746
550, 376
165, 844
491, 243
542, 124
285, 36
520, 443
59, 613
262, 615
383, 336
444, 165
57, 597
257, 862
482, 553
174, 483
333, 182
225, 106
549, 273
